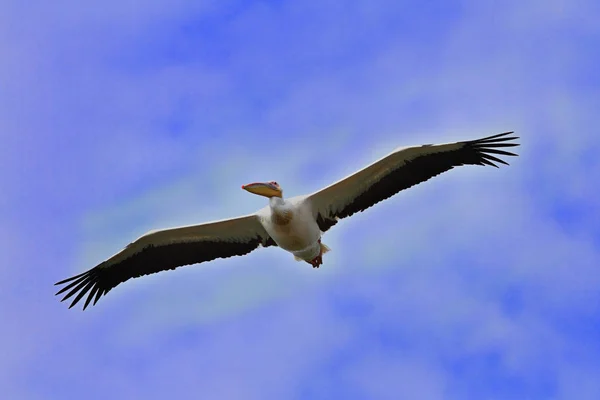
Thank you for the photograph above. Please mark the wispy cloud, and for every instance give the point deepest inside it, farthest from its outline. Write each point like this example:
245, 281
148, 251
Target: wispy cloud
479, 283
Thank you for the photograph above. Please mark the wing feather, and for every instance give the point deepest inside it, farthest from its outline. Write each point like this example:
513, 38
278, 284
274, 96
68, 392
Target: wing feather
401, 170
166, 250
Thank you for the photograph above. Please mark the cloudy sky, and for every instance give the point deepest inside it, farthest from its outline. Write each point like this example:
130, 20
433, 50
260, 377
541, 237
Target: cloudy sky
127, 116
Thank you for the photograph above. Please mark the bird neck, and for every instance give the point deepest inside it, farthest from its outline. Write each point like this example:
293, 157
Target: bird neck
276, 202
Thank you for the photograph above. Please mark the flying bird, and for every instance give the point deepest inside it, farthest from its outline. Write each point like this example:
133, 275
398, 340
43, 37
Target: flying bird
294, 224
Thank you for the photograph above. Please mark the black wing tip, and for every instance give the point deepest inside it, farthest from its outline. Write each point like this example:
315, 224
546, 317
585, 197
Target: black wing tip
82, 284
485, 148
498, 135
494, 139
70, 279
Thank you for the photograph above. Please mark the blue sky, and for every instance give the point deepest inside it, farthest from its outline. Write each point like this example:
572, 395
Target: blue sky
130, 116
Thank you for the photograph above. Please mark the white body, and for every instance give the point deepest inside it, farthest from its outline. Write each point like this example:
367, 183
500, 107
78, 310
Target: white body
300, 235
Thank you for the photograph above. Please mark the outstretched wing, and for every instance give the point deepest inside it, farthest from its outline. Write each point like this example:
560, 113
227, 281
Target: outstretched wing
403, 168
168, 249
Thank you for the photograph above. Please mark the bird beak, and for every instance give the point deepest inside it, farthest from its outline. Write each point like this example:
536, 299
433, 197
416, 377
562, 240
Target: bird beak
263, 189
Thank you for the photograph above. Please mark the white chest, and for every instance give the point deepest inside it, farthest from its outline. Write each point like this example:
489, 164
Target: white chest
292, 228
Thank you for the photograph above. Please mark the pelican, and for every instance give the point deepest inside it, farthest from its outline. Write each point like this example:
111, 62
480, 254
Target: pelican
294, 224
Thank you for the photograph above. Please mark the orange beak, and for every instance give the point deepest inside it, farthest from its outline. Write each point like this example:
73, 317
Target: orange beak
263, 189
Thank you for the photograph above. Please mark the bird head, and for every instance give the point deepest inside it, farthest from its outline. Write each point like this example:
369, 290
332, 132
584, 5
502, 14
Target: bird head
267, 189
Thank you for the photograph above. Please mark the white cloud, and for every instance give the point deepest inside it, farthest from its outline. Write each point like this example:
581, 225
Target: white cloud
433, 268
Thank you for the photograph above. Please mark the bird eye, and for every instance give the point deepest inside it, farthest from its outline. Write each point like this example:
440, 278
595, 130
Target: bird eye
274, 183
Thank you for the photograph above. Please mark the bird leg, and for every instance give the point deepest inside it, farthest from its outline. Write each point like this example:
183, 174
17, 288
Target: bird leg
318, 260
315, 262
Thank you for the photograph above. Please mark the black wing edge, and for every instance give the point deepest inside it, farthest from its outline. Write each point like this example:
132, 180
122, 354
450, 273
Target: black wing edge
473, 152
101, 279
479, 152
